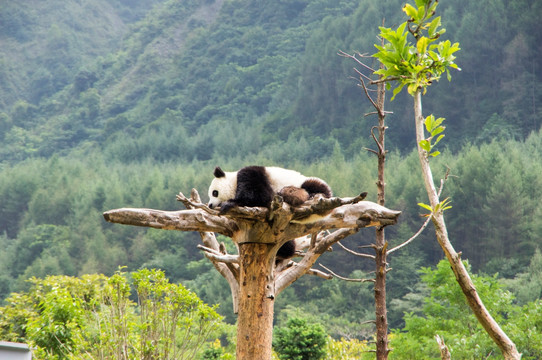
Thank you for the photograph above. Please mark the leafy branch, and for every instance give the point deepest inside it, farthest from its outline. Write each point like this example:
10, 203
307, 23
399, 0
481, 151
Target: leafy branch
439, 208
433, 127
417, 65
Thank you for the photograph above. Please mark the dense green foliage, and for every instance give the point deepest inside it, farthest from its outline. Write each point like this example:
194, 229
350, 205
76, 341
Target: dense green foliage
343, 349
446, 313
94, 317
106, 104
299, 340
45, 44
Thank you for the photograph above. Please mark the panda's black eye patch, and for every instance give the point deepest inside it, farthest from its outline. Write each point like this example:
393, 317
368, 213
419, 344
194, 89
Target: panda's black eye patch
215, 193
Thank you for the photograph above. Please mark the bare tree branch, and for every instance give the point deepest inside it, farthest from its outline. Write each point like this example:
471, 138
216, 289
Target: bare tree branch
319, 273
345, 278
344, 54
363, 76
368, 256
376, 113
287, 277
215, 255
185, 220
195, 202
371, 150
413, 237
378, 144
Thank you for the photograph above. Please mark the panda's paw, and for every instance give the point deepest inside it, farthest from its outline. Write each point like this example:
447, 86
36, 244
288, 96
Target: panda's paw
226, 207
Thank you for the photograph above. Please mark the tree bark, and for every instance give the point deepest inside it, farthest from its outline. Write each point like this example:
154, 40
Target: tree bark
380, 299
256, 302
381, 245
500, 338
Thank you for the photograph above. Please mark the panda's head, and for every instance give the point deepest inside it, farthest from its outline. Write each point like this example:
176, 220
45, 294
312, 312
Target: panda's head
223, 187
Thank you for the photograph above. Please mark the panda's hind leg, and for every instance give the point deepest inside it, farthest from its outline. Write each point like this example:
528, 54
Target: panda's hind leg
293, 195
317, 186
286, 251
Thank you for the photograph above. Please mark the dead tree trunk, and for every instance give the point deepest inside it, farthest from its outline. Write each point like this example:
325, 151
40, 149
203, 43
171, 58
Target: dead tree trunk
381, 245
254, 277
257, 301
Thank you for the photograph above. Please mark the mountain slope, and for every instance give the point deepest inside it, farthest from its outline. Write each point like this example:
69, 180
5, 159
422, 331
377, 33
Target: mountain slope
190, 68
44, 43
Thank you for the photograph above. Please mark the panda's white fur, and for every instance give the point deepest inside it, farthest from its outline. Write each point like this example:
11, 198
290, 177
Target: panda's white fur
279, 178
225, 186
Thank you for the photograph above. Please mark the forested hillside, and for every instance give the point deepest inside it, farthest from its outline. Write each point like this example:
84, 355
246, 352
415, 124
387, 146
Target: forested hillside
46, 43
112, 103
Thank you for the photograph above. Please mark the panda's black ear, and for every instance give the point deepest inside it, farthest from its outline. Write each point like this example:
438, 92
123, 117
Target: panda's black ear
219, 172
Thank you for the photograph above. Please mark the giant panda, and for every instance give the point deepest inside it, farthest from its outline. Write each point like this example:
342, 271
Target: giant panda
257, 185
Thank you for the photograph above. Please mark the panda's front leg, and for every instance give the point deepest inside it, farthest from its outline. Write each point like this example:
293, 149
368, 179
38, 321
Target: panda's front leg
225, 207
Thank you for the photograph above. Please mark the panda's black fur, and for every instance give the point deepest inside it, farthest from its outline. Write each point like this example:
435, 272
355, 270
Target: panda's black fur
254, 188
316, 186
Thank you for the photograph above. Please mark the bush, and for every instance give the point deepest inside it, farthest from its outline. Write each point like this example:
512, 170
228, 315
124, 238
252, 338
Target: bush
93, 317
300, 341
